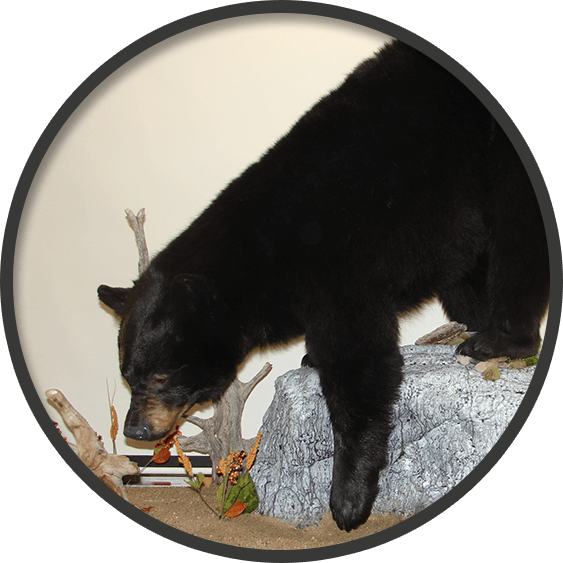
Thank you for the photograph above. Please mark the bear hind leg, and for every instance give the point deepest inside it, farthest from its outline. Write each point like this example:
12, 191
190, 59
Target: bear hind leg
504, 304
467, 302
518, 263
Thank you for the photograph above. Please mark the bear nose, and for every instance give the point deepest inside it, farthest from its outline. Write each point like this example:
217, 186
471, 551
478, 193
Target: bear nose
137, 425
138, 432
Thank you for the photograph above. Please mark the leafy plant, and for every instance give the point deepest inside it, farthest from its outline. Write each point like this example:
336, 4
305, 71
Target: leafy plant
236, 494
237, 487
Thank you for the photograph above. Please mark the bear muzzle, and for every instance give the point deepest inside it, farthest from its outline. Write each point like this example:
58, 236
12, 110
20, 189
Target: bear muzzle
150, 420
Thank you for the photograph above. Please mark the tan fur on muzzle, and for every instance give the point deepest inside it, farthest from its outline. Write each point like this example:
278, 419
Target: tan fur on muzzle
158, 417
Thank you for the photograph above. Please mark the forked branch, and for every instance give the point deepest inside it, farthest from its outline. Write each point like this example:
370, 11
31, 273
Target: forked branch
221, 434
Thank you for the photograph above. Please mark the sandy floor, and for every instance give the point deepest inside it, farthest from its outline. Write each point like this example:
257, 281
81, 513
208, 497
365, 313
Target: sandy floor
182, 508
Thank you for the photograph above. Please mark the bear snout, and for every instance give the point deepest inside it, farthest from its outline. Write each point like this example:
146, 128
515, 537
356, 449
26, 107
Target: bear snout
139, 432
150, 420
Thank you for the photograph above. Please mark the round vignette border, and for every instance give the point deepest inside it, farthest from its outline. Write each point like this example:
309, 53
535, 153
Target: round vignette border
74, 101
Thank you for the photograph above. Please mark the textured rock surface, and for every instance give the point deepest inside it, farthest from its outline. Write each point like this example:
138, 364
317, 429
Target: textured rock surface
293, 468
446, 421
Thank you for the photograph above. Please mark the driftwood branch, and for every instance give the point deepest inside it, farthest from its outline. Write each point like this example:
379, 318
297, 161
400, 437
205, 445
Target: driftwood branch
221, 434
110, 468
443, 334
137, 224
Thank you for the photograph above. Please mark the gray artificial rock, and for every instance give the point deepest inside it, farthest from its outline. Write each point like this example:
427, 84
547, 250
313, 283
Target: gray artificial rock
293, 468
447, 420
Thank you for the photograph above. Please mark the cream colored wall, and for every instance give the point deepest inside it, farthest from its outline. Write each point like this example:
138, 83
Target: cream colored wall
166, 132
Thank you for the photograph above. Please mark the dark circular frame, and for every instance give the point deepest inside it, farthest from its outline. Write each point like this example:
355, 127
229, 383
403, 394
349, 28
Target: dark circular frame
74, 101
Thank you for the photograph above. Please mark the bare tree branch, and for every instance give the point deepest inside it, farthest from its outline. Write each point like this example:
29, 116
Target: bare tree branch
250, 385
136, 222
221, 434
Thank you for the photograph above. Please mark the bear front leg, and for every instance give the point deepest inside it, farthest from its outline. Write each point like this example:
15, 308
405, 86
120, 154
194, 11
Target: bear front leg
360, 394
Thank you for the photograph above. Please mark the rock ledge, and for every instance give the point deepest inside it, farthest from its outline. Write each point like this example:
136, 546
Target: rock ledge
447, 420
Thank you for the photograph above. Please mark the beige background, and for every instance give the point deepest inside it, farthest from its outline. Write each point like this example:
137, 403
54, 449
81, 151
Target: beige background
166, 132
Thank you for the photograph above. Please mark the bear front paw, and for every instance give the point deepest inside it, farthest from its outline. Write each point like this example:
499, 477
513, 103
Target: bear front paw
350, 510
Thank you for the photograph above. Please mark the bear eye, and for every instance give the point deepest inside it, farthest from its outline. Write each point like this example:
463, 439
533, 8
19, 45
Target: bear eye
160, 378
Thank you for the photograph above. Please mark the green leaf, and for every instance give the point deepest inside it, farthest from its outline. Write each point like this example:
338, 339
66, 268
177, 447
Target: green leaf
243, 491
197, 482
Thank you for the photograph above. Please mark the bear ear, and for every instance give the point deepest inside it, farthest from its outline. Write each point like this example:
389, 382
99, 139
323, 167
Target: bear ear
114, 297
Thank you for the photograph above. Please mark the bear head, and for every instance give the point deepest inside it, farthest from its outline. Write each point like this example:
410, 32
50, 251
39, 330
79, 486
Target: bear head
178, 346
